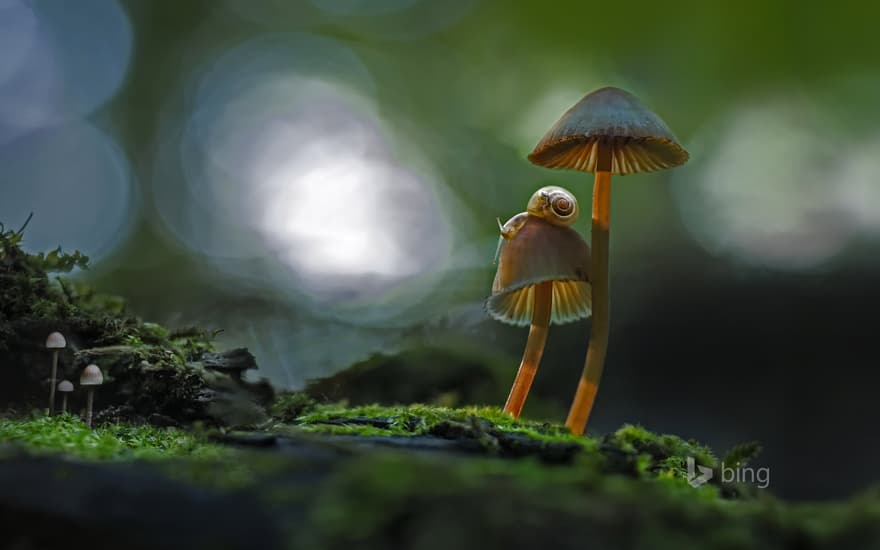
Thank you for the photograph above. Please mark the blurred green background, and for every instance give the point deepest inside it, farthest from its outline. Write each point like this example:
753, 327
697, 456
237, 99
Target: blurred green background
321, 178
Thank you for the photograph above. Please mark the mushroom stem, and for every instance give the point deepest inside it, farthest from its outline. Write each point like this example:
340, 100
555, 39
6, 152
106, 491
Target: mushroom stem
588, 385
52, 382
89, 402
64, 403
534, 349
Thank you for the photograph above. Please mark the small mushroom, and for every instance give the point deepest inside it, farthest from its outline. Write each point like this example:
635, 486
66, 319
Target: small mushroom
65, 387
542, 277
56, 343
607, 132
91, 377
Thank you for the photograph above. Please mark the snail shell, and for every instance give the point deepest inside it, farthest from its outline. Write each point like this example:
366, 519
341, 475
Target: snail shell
554, 204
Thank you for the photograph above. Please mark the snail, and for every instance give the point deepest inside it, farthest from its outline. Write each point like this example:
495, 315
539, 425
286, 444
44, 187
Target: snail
554, 204
542, 278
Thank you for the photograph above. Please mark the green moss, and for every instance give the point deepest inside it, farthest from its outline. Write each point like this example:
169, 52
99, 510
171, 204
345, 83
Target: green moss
463, 502
390, 499
332, 495
419, 419
150, 372
69, 435
29, 298
631, 450
288, 406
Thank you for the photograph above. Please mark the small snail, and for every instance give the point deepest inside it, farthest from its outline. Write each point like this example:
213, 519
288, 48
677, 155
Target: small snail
554, 204
542, 277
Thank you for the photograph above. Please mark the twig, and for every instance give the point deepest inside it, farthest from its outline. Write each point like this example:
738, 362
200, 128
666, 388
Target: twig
26, 222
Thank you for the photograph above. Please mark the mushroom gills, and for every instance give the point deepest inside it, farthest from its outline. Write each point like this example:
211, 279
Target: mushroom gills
628, 155
571, 301
542, 252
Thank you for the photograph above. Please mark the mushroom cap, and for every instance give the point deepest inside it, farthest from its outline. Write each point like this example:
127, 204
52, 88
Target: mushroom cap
540, 252
91, 376
56, 341
65, 386
640, 141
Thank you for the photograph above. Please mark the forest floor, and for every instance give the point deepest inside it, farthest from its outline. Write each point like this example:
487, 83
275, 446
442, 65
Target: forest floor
415, 477
186, 453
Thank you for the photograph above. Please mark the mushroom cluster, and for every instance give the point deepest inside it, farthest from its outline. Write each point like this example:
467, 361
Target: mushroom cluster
607, 132
91, 377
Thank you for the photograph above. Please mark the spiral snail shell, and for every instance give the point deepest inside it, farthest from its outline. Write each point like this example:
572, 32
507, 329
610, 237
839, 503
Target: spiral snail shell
554, 204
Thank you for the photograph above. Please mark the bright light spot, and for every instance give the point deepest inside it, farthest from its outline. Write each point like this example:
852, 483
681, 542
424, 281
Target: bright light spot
290, 181
337, 218
330, 199
778, 188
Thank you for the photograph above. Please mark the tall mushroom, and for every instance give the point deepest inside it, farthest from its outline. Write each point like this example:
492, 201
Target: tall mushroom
64, 387
607, 132
56, 343
91, 377
542, 277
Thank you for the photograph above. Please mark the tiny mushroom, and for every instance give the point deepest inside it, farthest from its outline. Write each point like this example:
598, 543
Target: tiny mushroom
607, 132
65, 387
91, 377
542, 277
56, 343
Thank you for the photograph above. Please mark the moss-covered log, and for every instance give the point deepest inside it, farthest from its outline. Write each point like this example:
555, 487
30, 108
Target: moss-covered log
312, 490
151, 373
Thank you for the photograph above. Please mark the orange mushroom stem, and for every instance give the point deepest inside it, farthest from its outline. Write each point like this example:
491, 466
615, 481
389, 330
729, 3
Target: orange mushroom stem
608, 131
588, 385
528, 367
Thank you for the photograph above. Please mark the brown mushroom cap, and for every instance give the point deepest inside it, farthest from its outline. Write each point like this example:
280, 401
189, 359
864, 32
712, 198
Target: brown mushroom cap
540, 252
91, 376
640, 140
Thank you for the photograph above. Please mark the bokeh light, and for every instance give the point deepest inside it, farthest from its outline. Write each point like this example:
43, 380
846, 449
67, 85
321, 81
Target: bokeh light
287, 165
78, 184
858, 180
779, 186
59, 63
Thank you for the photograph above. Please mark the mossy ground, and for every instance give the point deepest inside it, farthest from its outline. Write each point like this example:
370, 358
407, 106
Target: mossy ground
630, 450
325, 492
69, 435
